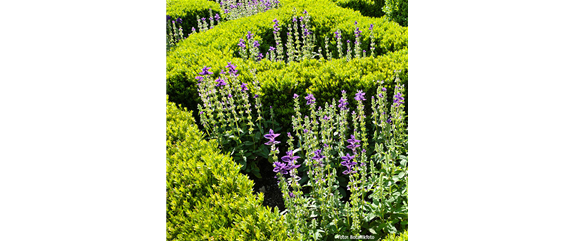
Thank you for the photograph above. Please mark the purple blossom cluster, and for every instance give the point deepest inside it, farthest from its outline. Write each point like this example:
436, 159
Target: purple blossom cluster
271, 137
318, 157
310, 99
343, 102
353, 143
241, 43
275, 26
231, 68
288, 164
220, 82
349, 163
360, 96
358, 32
398, 99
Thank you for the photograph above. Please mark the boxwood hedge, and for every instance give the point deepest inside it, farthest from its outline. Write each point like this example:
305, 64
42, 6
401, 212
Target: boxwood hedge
206, 196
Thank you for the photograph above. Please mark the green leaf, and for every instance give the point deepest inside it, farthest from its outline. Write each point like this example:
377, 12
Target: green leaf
401, 174
248, 143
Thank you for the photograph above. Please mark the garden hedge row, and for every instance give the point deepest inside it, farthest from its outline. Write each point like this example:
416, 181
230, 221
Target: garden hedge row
207, 197
324, 79
188, 10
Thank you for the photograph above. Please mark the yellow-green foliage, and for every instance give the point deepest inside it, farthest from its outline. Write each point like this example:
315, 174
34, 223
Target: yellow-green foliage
206, 196
188, 10
404, 236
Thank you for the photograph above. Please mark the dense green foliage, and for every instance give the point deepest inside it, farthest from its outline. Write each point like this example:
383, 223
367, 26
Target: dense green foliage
207, 198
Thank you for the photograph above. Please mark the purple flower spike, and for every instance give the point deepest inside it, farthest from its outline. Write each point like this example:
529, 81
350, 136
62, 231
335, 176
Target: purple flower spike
271, 137
347, 160
256, 44
241, 43
199, 78
295, 96
278, 166
318, 155
256, 96
205, 71
360, 96
217, 16
291, 195
243, 87
202, 19
371, 27
398, 99
179, 20
249, 35
343, 103
310, 99
231, 68
220, 82
167, 17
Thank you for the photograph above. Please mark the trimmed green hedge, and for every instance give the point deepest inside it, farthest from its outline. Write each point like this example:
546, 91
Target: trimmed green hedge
206, 197
188, 10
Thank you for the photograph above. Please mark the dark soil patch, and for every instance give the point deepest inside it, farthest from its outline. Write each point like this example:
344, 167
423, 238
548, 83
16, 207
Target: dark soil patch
268, 185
